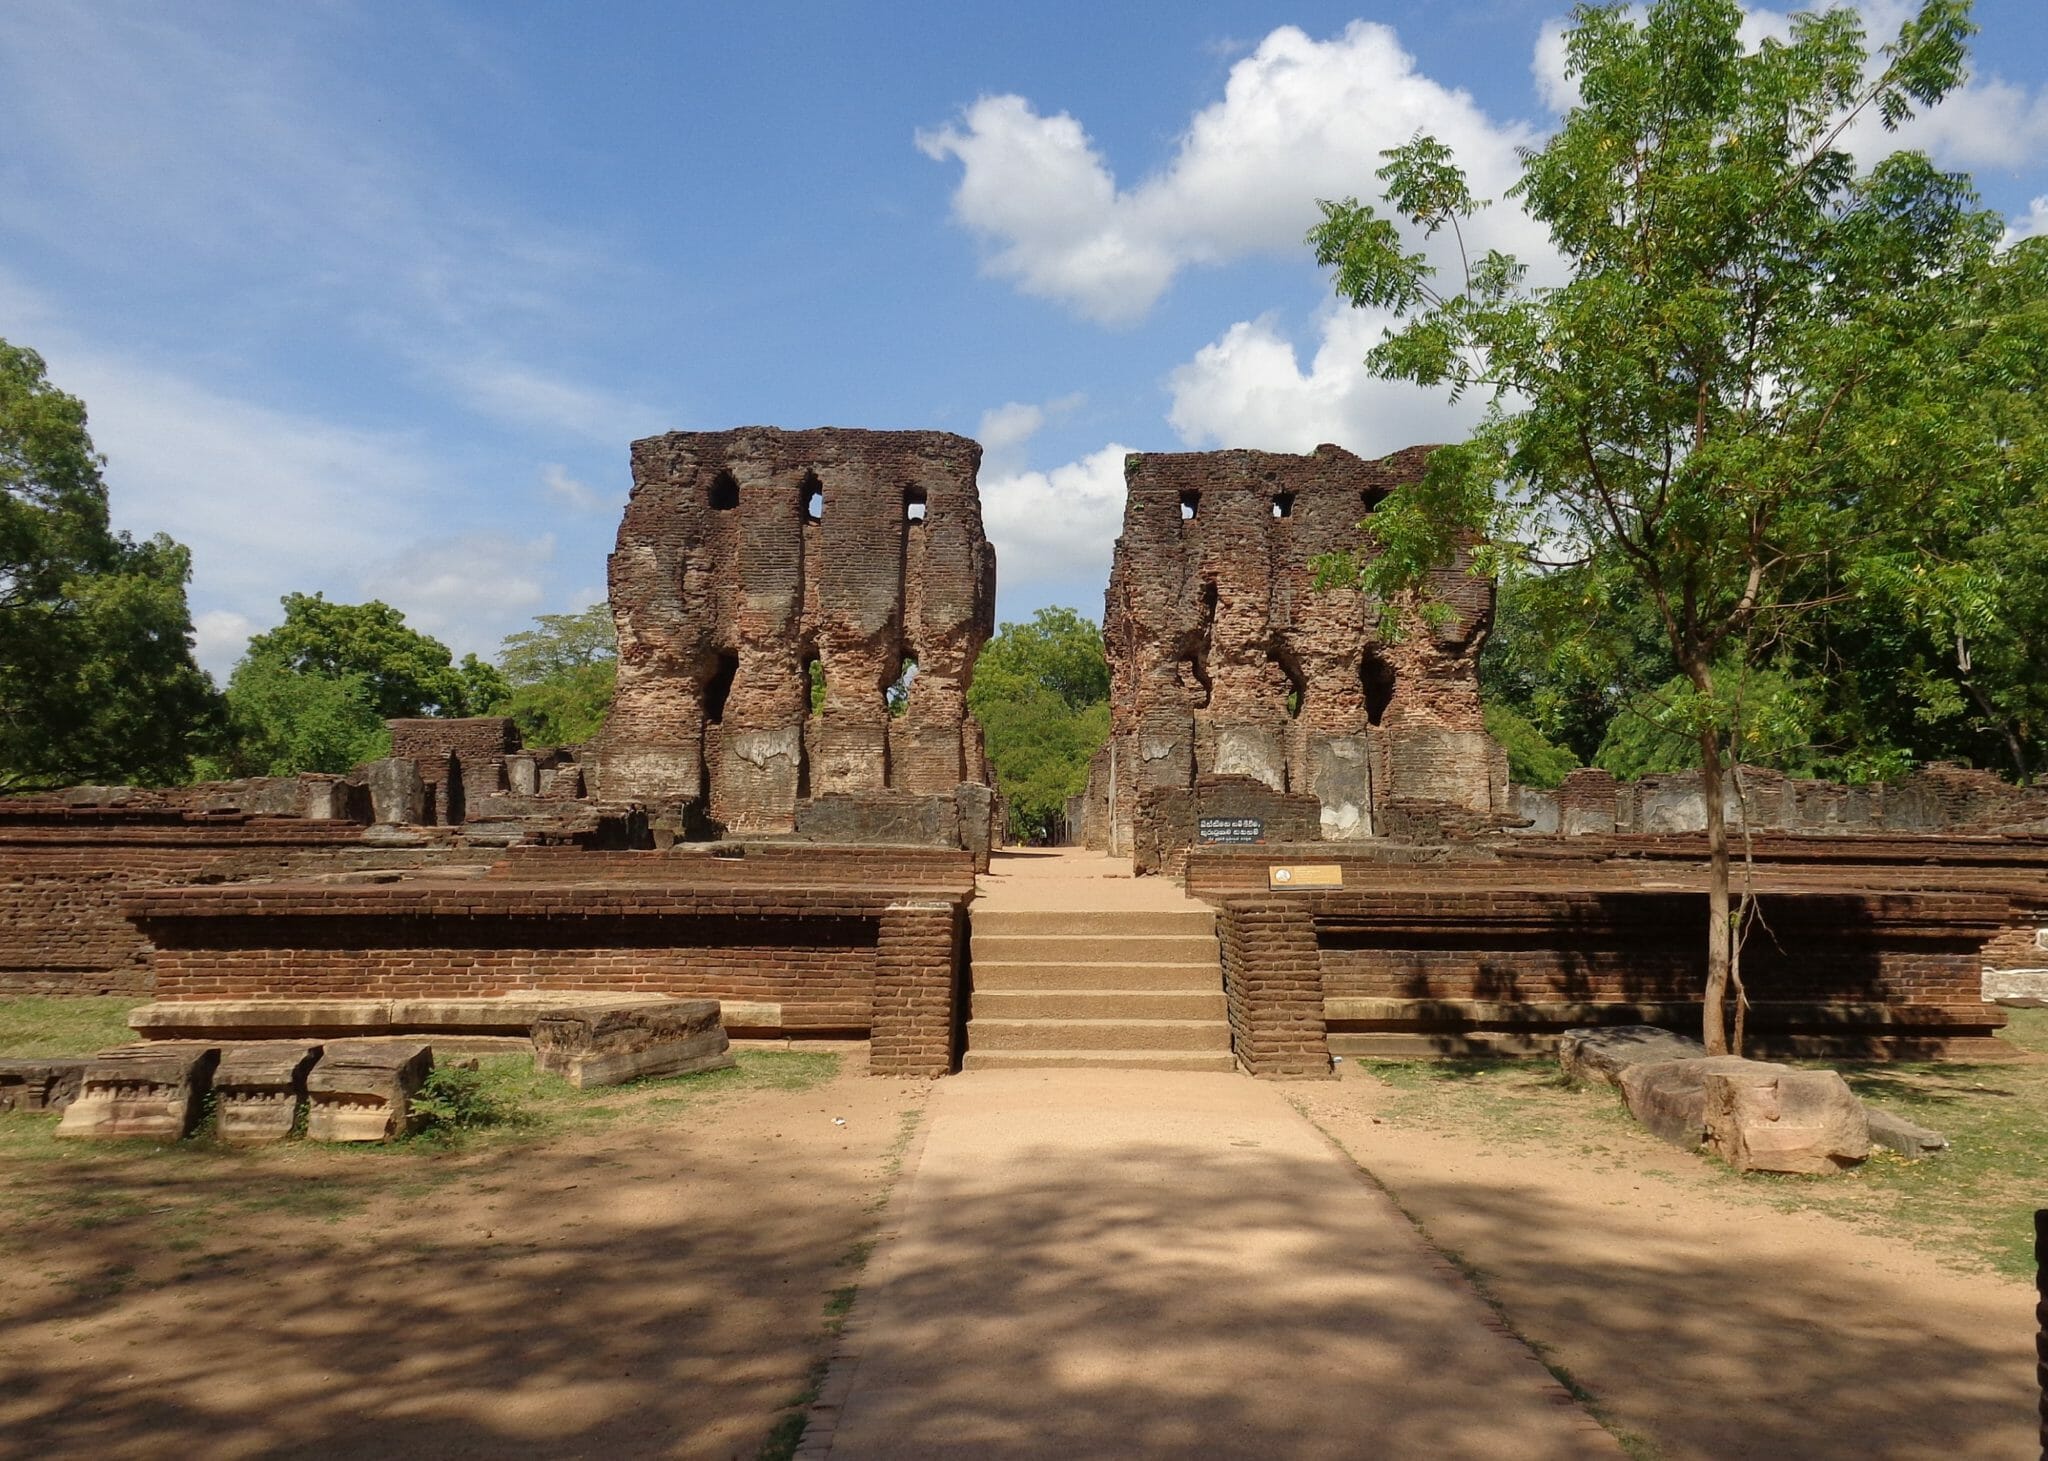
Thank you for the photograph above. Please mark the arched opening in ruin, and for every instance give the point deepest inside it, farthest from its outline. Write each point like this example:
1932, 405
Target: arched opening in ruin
1379, 686
718, 689
1283, 504
897, 696
814, 710
1190, 505
1297, 682
813, 494
725, 492
914, 506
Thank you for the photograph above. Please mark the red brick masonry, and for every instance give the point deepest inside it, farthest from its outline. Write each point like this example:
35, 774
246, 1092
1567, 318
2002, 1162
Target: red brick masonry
873, 958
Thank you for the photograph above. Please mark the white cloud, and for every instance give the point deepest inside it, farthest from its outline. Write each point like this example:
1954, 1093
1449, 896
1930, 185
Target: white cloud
218, 638
469, 592
1007, 429
1056, 526
1299, 119
519, 396
558, 484
1248, 388
2031, 224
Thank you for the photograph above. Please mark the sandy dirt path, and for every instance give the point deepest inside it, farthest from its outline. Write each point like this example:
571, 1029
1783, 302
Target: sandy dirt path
651, 1287
1095, 1263
1715, 1328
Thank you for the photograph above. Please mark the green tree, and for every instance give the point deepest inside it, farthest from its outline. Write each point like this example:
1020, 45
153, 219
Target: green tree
97, 681
1041, 693
1751, 370
560, 675
313, 694
406, 673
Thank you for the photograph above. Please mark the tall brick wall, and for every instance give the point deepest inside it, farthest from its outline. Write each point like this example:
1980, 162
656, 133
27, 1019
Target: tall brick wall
747, 555
1225, 660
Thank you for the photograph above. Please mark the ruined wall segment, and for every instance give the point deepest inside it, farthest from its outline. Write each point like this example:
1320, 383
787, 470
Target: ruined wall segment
1227, 662
747, 556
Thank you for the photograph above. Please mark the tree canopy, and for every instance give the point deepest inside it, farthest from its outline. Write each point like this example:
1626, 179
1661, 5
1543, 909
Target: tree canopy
560, 675
313, 694
1758, 389
1041, 693
97, 680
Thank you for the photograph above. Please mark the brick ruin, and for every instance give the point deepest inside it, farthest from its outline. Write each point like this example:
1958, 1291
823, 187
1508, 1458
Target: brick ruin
811, 866
755, 564
1240, 689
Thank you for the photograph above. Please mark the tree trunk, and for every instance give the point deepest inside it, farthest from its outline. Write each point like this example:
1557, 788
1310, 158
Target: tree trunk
1720, 942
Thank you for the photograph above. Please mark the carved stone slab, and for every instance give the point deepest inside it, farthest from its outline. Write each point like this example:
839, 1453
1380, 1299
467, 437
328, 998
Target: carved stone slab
154, 1091
611, 1046
362, 1089
40, 1085
258, 1088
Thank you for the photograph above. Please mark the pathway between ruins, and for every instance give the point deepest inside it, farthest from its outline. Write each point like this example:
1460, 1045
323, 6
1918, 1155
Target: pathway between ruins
1090, 1262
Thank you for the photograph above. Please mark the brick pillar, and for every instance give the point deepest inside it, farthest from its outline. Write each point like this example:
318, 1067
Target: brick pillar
917, 959
1273, 984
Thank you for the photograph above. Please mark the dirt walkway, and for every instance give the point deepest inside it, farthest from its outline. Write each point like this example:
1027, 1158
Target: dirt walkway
1714, 1327
654, 1286
1111, 1263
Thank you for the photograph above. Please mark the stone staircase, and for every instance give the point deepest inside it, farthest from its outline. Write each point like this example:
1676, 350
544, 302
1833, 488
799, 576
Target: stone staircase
1120, 986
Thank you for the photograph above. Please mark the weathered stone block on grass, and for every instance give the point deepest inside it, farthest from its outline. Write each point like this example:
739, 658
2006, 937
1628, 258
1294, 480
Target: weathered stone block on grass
608, 1047
1909, 1139
1669, 1096
1602, 1053
362, 1090
40, 1085
258, 1088
1772, 1118
154, 1091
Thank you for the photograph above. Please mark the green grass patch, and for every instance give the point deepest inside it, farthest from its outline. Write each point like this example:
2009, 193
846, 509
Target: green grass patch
1973, 1207
47, 1024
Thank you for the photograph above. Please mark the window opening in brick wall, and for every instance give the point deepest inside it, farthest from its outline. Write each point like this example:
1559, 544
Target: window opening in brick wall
1297, 682
897, 696
725, 492
913, 505
814, 499
719, 687
1283, 504
1379, 687
1190, 505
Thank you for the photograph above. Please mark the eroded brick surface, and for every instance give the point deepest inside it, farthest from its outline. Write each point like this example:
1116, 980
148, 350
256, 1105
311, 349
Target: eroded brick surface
1227, 662
746, 556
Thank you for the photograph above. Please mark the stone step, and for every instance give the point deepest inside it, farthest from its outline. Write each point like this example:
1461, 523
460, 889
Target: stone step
1184, 1035
1094, 948
1087, 974
1195, 921
1211, 1060
1098, 1004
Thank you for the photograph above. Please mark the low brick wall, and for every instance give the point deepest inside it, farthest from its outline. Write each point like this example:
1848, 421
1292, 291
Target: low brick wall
816, 959
1419, 971
62, 882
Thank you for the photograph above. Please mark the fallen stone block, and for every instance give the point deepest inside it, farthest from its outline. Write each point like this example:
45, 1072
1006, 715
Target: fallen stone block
1773, 1118
1907, 1138
362, 1090
155, 1091
1669, 1096
1603, 1052
258, 1088
607, 1047
40, 1085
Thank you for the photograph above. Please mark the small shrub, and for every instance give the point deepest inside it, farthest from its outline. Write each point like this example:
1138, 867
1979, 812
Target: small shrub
461, 1097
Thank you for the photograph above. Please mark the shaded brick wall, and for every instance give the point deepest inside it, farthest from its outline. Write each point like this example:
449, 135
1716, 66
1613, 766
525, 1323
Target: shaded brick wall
1273, 987
829, 959
62, 929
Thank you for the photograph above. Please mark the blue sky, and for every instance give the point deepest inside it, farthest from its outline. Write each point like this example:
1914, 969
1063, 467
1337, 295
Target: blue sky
370, 299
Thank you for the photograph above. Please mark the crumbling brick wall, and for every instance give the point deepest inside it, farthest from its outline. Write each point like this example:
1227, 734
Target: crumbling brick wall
1225, 660
747, 556
460, 758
